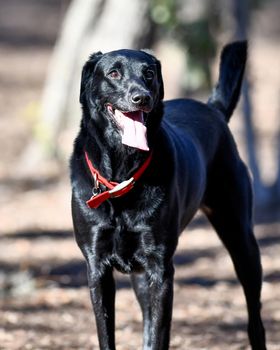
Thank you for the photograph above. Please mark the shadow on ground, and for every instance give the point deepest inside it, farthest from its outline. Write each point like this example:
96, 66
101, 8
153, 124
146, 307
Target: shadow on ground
72, 274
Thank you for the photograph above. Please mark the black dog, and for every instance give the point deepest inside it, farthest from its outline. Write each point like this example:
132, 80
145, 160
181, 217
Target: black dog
141, 169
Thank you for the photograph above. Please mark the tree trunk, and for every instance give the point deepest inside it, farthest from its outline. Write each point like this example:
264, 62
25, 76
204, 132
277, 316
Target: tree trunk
79, 17
241, 17
276, 186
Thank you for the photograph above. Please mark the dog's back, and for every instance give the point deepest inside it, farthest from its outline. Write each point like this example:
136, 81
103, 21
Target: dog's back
200, 131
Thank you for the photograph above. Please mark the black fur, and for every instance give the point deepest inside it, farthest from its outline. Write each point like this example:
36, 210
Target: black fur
195, 165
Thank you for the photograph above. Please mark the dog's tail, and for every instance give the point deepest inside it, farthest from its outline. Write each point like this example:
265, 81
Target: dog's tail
225, 95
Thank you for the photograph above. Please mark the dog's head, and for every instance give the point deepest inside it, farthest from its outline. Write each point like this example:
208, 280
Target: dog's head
124, 87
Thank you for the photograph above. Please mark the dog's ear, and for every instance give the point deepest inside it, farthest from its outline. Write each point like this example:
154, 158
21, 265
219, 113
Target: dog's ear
159, 74
160, 80
87, 72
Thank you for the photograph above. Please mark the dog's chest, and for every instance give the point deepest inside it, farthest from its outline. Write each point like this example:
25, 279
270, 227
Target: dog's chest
127, 253
131, 247
125, 236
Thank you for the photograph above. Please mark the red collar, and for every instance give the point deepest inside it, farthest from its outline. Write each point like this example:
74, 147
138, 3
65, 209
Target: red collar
114, 189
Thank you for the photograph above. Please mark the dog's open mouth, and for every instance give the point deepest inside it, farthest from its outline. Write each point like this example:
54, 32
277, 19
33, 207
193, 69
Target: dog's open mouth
133, 129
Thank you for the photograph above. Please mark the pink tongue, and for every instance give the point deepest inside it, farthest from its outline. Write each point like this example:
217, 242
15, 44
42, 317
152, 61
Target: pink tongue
134, 132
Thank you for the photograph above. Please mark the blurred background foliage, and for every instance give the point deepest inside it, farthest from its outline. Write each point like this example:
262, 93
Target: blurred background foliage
195, 26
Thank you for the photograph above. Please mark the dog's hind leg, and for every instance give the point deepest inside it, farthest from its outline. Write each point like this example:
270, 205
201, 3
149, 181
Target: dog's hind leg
228, 206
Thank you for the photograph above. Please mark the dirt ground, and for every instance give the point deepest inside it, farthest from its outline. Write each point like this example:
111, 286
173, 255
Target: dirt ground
44, 301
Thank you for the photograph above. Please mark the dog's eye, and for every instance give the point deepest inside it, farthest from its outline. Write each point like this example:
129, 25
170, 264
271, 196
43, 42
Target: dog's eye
114, 74
149, 74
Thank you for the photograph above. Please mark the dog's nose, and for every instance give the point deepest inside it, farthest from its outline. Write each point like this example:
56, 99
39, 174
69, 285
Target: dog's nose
141, 99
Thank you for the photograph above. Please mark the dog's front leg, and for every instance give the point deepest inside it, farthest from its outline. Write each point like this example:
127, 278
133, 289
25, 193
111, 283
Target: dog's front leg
102, 292
161, 301
141, 288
